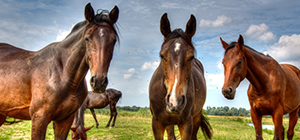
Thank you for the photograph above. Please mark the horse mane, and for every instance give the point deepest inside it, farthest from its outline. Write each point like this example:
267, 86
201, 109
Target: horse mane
98, 19
233, 44
179, 33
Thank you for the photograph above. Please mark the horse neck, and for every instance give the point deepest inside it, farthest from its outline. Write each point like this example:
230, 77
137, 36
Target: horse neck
259, 69
79, 119
73, 59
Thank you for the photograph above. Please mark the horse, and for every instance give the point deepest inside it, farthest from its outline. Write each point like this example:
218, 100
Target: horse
98, 101
177, 90
274, 88
95, 101
49, 84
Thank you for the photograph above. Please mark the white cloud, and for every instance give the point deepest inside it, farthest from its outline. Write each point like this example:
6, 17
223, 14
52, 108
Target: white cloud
150, 65
62, 35
128, 75
261, 32
219, 22
214, 81
287, 49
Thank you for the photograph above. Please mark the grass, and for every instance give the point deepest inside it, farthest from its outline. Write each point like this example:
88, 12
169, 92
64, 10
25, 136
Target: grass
133, 127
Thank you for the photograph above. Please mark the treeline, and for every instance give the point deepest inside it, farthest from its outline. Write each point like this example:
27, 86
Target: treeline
226, 111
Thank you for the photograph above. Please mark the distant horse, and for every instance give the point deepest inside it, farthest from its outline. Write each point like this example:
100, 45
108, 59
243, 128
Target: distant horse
95, 101
177, 89
49, 84
98, 101
274, 88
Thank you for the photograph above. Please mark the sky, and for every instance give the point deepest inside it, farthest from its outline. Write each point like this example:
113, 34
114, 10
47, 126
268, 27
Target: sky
271, 26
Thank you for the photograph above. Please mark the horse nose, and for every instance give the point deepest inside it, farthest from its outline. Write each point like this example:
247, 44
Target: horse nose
99, 85
175, 105
228, 92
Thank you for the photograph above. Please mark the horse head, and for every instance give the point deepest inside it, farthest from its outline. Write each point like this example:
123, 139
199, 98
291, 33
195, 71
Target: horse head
100, 37
235, 66
177, 54
78, 134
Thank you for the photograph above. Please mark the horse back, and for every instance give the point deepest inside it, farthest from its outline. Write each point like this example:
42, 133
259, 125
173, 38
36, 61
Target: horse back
8, 51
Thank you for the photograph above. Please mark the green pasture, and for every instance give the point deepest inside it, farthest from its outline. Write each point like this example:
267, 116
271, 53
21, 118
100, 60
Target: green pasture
133, 126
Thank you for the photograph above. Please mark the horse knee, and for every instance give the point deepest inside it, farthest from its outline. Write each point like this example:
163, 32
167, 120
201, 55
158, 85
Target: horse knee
290, 134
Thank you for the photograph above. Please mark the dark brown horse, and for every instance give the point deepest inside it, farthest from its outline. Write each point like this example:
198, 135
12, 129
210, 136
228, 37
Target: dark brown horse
49, 84
95, 101
98, 101
274, 88
177, 90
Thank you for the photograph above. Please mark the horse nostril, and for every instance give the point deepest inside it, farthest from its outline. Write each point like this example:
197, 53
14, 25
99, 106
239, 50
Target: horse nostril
230, 90
93, 81
104, 81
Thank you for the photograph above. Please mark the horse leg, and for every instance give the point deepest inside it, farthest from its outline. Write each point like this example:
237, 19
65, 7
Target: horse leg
114, 113
186, 128
293, 118
62, 128
2, 119
277, 120
170, 132
39, 126
196, 125
94, 115
158, 129
256, 119
111, 116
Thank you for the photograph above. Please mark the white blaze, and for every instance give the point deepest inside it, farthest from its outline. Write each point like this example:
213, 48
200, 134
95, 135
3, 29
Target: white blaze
177, 47
172, 98
101, 32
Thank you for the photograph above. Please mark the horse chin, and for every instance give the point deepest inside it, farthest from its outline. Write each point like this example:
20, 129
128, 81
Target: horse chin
230, 96
99, 91
175, 110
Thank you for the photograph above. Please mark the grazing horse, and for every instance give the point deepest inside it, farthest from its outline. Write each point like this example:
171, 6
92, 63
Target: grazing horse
274, 88
95, 101
177, 89
49, 84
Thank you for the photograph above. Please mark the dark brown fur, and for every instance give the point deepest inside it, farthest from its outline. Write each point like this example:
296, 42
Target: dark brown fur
49, 84
185, 107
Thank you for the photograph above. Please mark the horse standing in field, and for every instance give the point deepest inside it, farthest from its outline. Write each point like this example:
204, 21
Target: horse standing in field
98, 101
177, 89
95, 101
49, 84
274, 88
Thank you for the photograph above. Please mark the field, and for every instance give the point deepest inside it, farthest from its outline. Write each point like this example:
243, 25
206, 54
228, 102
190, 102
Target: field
136, 127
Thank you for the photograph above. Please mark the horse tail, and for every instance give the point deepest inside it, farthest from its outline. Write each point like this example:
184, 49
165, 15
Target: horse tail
206, 127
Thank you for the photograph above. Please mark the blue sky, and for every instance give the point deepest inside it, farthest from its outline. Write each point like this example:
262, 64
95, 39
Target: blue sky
271, 26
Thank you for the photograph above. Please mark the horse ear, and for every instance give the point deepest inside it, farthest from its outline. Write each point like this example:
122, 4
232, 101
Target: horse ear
191, 26
225, 44
241, 40
165, 25
89, 13
73, 129
114, 14
88, 128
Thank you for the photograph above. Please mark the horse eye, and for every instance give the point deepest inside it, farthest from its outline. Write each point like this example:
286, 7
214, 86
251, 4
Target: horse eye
87, 39
240, 62
162, 57
191, 58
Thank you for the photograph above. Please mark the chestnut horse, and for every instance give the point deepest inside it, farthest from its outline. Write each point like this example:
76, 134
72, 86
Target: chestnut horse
274, 88
49, 84
95, 101
177, 89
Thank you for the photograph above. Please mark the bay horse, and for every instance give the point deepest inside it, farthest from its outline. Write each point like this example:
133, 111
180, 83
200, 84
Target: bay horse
274, 88
177, 89
95, 101
49, 84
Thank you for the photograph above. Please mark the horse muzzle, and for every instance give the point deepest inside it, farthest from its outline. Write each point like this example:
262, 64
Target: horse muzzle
99, 84
228, 92
175, 105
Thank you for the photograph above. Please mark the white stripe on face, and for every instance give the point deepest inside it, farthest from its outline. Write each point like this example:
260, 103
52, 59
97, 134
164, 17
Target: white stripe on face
177, 47
172, 98
101, 32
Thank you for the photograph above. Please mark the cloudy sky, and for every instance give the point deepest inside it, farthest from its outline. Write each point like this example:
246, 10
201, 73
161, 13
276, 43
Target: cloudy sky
271, 26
